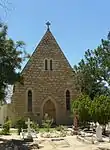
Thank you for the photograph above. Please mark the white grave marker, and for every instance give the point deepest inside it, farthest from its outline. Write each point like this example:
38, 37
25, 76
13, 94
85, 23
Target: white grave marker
99, 133
29, 127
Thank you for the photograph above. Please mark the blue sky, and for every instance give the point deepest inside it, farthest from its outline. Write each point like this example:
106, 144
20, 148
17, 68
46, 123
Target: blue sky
76, 24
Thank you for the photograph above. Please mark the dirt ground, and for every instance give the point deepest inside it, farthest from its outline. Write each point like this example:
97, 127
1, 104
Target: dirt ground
66, 143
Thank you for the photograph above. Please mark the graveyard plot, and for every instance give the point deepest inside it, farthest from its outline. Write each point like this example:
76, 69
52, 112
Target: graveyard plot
60, 143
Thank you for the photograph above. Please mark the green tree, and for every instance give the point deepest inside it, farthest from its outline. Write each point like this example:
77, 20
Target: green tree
100, 109
82, 106
12, 54
92, 74
96, 110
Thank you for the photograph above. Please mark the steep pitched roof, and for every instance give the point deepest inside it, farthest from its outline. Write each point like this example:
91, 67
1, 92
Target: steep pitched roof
46, 45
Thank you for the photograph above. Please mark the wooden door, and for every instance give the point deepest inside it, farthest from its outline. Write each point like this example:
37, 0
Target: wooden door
49, 108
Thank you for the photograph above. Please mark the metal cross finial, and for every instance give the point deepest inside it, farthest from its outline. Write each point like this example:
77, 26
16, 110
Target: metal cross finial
48, 24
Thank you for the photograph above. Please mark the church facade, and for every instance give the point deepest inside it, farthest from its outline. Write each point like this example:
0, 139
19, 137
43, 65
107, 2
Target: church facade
48, 85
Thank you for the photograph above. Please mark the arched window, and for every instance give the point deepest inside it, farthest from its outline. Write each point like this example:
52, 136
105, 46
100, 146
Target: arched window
29, 101
46, 64
51, 65
67, 100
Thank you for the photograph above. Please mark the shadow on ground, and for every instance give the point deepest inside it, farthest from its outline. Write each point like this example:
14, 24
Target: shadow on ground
17, 145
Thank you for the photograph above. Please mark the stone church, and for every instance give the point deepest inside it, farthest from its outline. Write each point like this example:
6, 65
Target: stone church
48, 84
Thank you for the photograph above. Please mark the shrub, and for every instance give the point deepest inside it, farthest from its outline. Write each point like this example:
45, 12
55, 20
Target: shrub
20, 124
60, 128
82, 106
35, 126
6, 128
47, 122
100, 109
63, 133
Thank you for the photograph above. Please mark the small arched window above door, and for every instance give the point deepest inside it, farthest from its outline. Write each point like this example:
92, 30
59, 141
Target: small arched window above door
29, 101
67, 100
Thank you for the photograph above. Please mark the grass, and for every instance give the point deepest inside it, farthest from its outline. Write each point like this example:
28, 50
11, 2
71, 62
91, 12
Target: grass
41, 130
13, 131
45, 129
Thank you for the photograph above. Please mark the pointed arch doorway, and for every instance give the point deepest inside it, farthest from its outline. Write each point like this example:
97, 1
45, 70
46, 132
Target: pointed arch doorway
49, 108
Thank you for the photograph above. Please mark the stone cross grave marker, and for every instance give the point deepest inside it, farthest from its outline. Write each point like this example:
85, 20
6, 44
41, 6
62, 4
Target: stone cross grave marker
29, 127
99, 133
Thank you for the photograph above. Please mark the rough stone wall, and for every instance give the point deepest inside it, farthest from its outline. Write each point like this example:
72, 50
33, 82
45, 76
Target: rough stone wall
45, 84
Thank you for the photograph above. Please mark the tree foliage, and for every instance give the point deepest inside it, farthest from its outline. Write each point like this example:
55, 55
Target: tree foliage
5, 4
12, 54
100, 109
20, 124
92, 78
92, 74
82, 105
6, 128
96, 110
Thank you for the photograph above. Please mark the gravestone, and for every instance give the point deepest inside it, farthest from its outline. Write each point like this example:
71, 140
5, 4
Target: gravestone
108, 126
60, 143
99, 133
22, 134
29, 136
